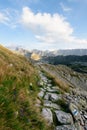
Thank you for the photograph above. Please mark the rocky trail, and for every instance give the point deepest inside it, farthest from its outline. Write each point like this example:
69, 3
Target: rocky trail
60, 109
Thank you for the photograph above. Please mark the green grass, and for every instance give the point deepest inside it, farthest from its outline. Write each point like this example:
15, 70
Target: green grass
17, 97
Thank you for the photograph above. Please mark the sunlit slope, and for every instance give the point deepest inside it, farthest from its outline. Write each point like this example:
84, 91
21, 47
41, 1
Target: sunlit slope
18, 91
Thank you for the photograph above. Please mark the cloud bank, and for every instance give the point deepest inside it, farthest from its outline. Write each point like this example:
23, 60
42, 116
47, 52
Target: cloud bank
47, 28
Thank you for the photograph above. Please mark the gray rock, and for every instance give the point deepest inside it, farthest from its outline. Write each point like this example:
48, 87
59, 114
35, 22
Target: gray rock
75, 112
64, 118
52, 96
55, 97
42, 89
66, 127
51, 105
46, 97
85, 127
47, 114
41, 94
51, 90
49, 85
85, 117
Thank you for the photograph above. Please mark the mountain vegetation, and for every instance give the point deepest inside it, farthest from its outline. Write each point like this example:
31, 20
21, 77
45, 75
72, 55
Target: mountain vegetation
78, 63
38, 96
18, 93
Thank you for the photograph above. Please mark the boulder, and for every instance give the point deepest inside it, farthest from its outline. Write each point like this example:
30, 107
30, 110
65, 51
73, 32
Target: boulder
47, 114
64, 118
75, 112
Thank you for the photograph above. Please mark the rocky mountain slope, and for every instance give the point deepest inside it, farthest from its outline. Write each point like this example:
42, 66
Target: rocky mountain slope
47, 53
63, 97
78, 52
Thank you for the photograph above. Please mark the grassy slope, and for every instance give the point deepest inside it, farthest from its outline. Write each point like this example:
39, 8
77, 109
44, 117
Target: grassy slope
17, 97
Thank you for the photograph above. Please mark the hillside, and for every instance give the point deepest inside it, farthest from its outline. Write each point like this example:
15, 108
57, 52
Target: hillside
66, 77
64, 97
18, 94
77, 63
36, 96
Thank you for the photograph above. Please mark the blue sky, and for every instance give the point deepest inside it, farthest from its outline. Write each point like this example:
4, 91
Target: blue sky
44, 24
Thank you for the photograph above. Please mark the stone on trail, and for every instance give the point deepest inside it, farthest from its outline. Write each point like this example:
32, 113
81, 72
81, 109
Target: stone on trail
49, 85
52, 96
51, 105
51, 90
47, 114
55, 97
41, 94
75, 112
64, 118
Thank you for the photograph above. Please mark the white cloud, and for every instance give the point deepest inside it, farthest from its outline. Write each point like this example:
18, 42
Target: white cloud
9, 17
65, 8
47, 28
3, 18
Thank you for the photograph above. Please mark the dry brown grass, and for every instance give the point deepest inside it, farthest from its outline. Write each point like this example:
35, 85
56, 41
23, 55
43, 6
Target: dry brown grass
16, 95
52, 72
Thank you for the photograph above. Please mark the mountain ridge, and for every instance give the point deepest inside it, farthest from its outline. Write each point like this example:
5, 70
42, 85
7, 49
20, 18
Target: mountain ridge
64, 52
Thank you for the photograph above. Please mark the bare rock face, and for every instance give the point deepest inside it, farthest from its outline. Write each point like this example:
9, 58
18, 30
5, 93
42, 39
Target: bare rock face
64, 118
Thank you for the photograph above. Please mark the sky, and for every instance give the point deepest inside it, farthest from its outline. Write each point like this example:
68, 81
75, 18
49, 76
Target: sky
44, 24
